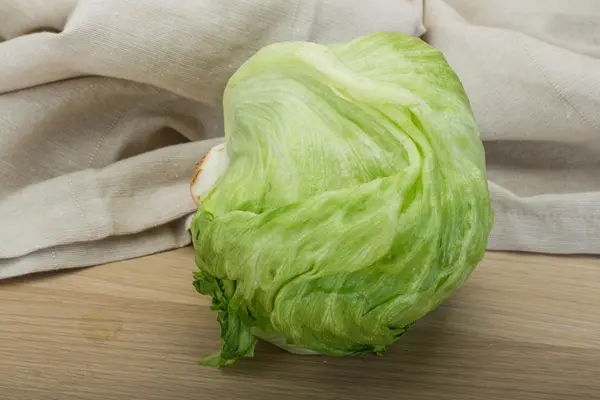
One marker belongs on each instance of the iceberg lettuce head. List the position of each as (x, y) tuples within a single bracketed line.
[(348, 200)]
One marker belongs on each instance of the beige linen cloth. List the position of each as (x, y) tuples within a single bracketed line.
[(106, 105)]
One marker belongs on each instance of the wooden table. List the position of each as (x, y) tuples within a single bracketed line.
[(523, 327)]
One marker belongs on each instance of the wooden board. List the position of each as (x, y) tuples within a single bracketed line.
[(523, 327)]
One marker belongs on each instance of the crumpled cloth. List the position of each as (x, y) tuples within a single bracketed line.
[(106, 106)]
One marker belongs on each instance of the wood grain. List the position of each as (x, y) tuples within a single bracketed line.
[(522, 327)]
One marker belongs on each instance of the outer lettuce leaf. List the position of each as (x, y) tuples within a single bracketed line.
[(355, 200), (238, 340)]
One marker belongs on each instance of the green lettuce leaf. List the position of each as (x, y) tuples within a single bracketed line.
[(355, 198)]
